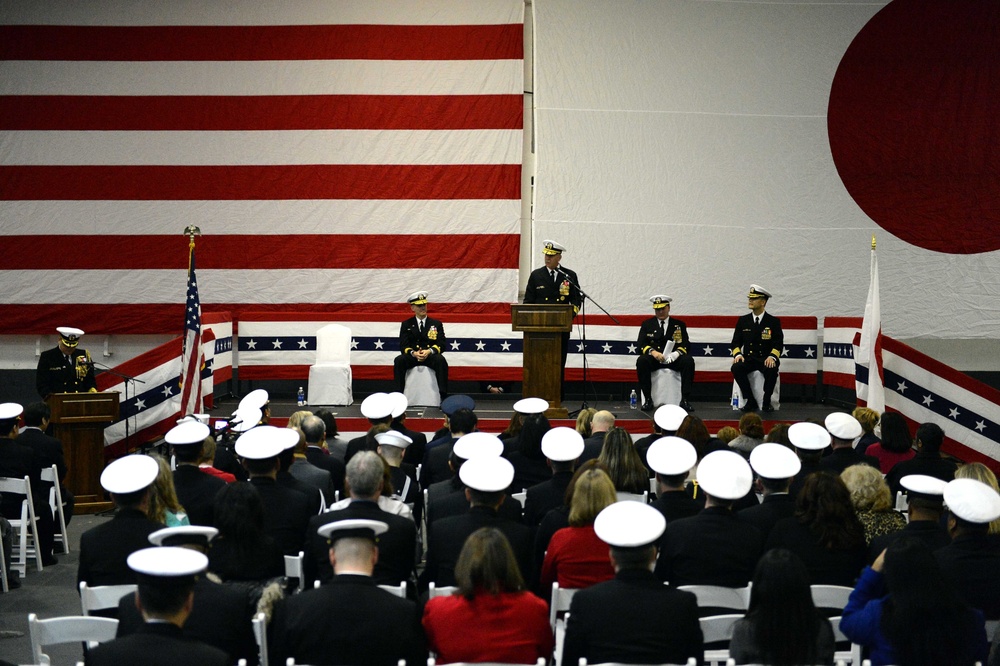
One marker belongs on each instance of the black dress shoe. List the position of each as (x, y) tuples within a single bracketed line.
[(768, 408), (13, 580), (687, 406), (49, 560), (751, 406), (647, 406)]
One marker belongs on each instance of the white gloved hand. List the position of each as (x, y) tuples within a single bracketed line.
[(673, 356)]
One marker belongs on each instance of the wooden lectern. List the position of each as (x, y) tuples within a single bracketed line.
[(543, 326), (78, 421)]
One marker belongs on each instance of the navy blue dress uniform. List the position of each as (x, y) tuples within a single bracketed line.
[(418, 335), (65, 369), (557, 286), (196, 492), (756, 339), (545, 496), (156, 644), (654, 334)]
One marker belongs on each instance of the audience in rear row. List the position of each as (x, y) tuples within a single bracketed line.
[(807, 508)]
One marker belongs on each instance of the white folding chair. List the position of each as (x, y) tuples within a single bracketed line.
[(397, 590), (3, 572), (435, 591), (293, 568), (102, 597), (322, 502), (715, 628), (558, 612), (716, 596), (830, 596), (51, 475), (851, 656), (26, 527), (521, 497), (72, 629), (260, 635), (634, 497)]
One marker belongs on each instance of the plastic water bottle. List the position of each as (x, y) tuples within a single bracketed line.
[(736, 400), (301, 398), (633, 400)]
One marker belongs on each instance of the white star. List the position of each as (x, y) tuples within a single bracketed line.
[(953, 413), (784, 351), (251, 344), (928, 400), (167, 392), (379, 344), (901, 387), (708, 350), (980, 426), (606, 348), (579, 347), (455, 344), (631, 349), (809, 352), (480, 346), (140, 404), (277, 343), (303, 344), (354, 343), (505, 346)]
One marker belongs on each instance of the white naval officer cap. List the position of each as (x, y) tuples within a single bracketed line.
[(628, 524), (924, 486), (972, 501), (553, 247), (808, 436), (265, 442), (256, 398), (181, 535), (476, 445), (774, 461), (167, 565), (129, 474), (842, 425), (187, 433), (363, 528), (10, 410), (562, 444), (669, 417), (671, 455), (377, 406), (725, 475), (399, 404), (757, 291), (70, 336), (488, 474), (246, 418), (417, 298), (393, 438), (531, 406), (660, 301)]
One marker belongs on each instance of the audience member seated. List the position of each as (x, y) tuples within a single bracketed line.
[(751, 434), (530, 467), (561, 447), (331, 446), (921, 620), (672, 459), (774, 466), (896, 445), (205, 463), (243, 551), (872, 504), (193, 489), (315, 477), (523, 408), (926, 504), (869, 419), (692, 429), (603, 422), (727, 434), (48, 451), (625, 468), (714, 547), (634, 618), (928, 459), (782, 625), (491, 617), (377, 408), (164, 506), (980, 472), (576, 556), (778, 434), (809, 440), (558, 518), (415, 451), (824, 532), (843, 429), (461, 420), (585, 421)]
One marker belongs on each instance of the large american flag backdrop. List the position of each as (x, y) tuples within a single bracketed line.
[(336, 155)]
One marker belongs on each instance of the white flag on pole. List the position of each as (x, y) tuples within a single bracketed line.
[(870, 349)]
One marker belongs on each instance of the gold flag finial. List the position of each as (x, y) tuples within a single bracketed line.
[(191, 231), (873, 241)]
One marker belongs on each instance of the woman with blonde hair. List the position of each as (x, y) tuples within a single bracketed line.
[(872, 501), (584, 420), (625, 467), (868, 418), (295, 420), (982, 473), (164, 507), (491, 617), (576, 557)]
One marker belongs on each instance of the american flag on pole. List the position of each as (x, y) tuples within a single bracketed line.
[(191, 358)]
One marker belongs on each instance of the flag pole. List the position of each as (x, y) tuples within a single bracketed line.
[(870, 349), (190, 376)]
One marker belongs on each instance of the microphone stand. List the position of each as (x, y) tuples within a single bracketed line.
[(583, 336), (127, 379)]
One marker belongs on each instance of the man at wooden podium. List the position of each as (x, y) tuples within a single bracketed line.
[(65, 368), (552, 283)]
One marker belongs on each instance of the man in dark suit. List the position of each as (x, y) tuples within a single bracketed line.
[(104, 549), (562, 447), (486, 479), (774, 465), (65, 368), (414, 452), (48, 451), (286, 511), (377, 408), (553, 283), (925, 504), (928, 438), (196, 490), (654, 334), (421, 342), (397, 545), (345, 620), (166, 581), (314, 429), (844, 429), (634, 618), (809, 440), (757, 345), (461, 421), (314, 476), (671, 459), (714, 547), (220, 615), (599, 427)]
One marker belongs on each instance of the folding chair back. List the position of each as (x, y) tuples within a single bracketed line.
[(718, 629), (51, 475), (260, 634), (435, 591), (716, 596), (293, 569), (102, 597), (26, 526), (832, 597), (72, 629), (397, 590)]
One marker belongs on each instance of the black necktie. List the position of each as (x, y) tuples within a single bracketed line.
[(663, 328), (756, 320), (420, 326), (555, 278)]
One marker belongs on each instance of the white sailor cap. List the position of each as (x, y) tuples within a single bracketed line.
[(187, 433), (399, 404), (129, 474), (972, 501), (562, 444), (842, 425), (377, 406), (669, 417), (531, 406), (70, 336), (757, 291), (808, 436), (256, 398), (393, 438), (167, 562), (774, 461), (660, 301), (725, 475), (922, 485), (552, 247), (181, 535), (671, 456), (628, 524), (477, 445), (10, 410), (246, 418), (265, 442), (487, 473), (417, 298), (353, 527)]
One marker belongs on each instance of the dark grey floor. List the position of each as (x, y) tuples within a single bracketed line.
[(47, 593)]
